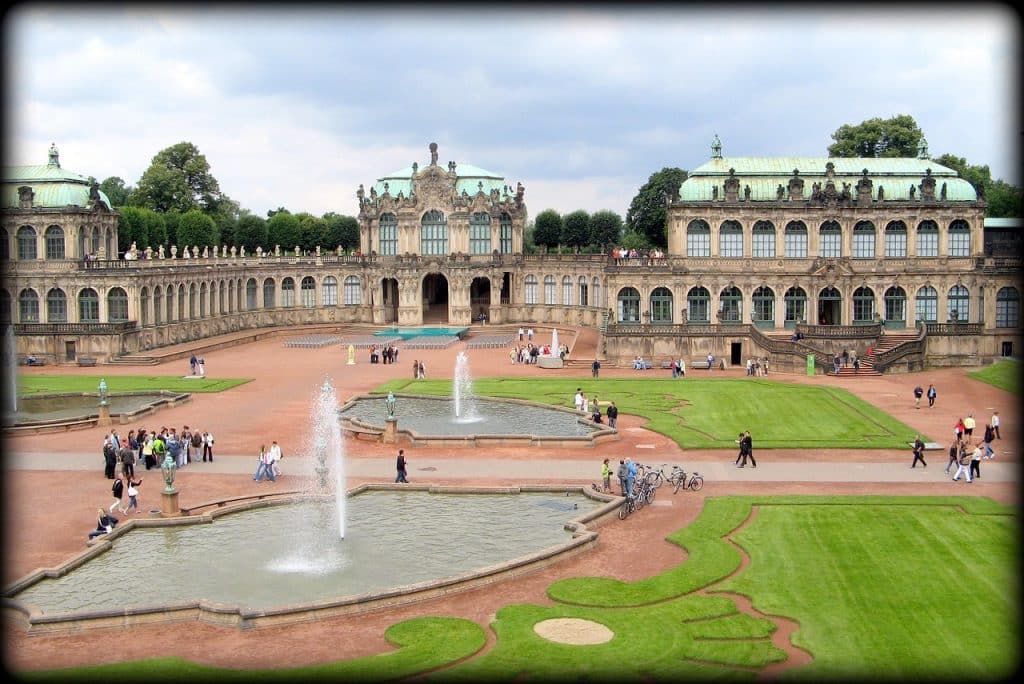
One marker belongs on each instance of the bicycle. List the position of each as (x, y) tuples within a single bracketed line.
[(657, 477), (674, 477), (694, 484), (627, 507)]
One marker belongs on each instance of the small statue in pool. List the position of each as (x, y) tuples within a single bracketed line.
[(390, 403)]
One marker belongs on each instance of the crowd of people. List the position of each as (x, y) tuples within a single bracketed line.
[(387, 354)]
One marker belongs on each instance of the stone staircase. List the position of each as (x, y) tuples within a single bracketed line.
[(867, 362), (132, 360)]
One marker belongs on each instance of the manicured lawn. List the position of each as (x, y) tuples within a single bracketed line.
[(708, 414), (1004, 374), (47, 384)]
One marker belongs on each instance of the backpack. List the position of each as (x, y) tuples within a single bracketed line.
[(197, 440)]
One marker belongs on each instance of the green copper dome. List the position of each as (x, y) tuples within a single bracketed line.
[(52, 186)]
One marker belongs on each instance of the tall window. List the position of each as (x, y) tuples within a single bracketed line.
[(268, 293), (530, 289), (117, 305), (26, 243), (959, 303), (629, 305), (697, 305), (95, 240), (896, 240), (56, 306), (764, 304), (192, 301), (864, 240), (583, 290), (250, 294), (926, 304), (927, 239), (28, 306), (88, 306), (959, 239), (505, 234), (388, 235), (330, 293), (433, 233), (1007, 308), (661, 306), (863, 305), (158, 303), (595, 292), (730, 305), (203, 300), (796, 240), (170, 303), (54, 242), (896, 305), (764, 240), (698, 239), (796, 305), (353, 292), (480, 233), (5, 245), (181, 302), (567, 290), (288, 292), (730, 239), (830, 240), (549, 289), (307, 290)]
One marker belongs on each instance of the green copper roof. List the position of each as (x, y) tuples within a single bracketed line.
[(54, 187), (765, 174), (468, 180)]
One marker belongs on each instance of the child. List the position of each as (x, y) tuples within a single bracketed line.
[(133, 496)]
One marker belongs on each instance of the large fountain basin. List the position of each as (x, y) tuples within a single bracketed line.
[(68, 410)]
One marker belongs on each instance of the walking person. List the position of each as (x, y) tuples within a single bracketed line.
[(606, 477), (994, 422), (969, 425), (133, 496), (623, 475), (118, 491), (612, 413), (400, 466), (954, 455), (193, 362), (963, 466), (275, 456), (747, 448), (261, 463), (421, 371), (976, 461), (931, 395), (918, 452), (739, 441), (595, 368), (918, 393), (987, 441)]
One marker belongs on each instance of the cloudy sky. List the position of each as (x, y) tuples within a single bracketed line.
[(296, 106)]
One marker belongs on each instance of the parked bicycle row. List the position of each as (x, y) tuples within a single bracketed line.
[(641, 482)]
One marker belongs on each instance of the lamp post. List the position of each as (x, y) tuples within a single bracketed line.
[(103, 392), (104, 412)]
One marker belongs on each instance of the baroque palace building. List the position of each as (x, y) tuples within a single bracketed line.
[(892, 256)]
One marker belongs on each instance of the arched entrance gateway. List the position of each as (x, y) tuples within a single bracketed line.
[(389, 300), (480, 298), (435, 298)]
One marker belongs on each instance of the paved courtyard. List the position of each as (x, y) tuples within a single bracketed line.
[(54, 483)]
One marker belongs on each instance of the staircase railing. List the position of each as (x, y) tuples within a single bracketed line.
[(915, 346)]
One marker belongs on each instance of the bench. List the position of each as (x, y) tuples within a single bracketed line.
[(36, 362), (699, 365), (643, 365), (86, 361)]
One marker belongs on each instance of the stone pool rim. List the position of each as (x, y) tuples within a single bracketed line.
[(219, 613), (91, 419)]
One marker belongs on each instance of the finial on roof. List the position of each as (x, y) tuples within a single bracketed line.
[(54, 156), (433, 154), (716, 148), (922, 149)]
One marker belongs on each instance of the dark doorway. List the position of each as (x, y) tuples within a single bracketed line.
[(830, 307), (389, 299), (480, 299), (736, 353), (435, 299), (506, 287), (69, 350), (1007, 348)]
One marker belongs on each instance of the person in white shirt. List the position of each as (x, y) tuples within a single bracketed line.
[(207, 446), (578, 400), (275, 455)]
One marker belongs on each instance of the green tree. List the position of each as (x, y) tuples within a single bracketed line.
[(283, 231), (576, 229), (312, 231), (251, 232), (196, 229), (895, 137), (547, 231), (605, 229), (1004, 200), (178, 178), (116, 191), (647, 212), (634, 240), (279, 210), (342, 231), (140, 225), (171, 220)]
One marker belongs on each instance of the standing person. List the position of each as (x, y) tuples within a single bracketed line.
[(415, 369), (931, 395), (994, 422), (963, 466), (202, 368), (623, 475), (918, 393), (846, 358), (613, 414), (117, 489), (711, 361), (595, 368), (586, 404), (987, 440), (196, 445), (207, 446), (109, 460), (954, 455), (969, 426), (133, 496), (521, 333), (512, 354), (958, 429), (529, 334), (147, 451), (577, 400), (193, 362), (422, 371), (400, 465), (682, 367), (606, 477), (918, 452), (275, 456), (630, 475), (159, 449), (976, 461), (856, 364)]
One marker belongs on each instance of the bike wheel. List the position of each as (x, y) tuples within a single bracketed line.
[(678, 485), (624, 509), (696, 483), (650, 494)]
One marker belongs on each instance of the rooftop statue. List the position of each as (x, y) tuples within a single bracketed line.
[(433, 154)]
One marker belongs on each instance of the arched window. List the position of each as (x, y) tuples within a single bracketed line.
[(530, 289), (864, 240), (959, 304), (584, 301), (117, 305), (629, 305), (144, 306), (764, 240), (863, 305), (56, 306), (567, 290), (896, 305), (959, 239), (595, 292), (158, 303), (763, 301), (54, 242), (896, 240), (181, 302), (95, 240), (549, 289), (353, 291), (388, 235), (505, 234), (88, 306), (268, 293), (730, 240), (698, 239), (795, 301), (698, 309), (5, 307), (926, 304), (288, 292), (307, 289), (433, 234), (5, 245), (480, 233), (927, 239), (192, 301), (28, 306), (250, 294), (796, 240), (27, 243), (330, 291), (170, 303), (202, 300), (1007, 308), (830, 240), (661, 306), (730, 305)]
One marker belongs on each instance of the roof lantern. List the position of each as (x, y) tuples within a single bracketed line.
[(54, 156), (716, 148)]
